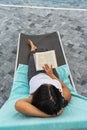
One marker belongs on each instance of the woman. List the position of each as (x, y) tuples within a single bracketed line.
[(48, 94)]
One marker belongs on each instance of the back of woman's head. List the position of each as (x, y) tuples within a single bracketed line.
[(48, 99)]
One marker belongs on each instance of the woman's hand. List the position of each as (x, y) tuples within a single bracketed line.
[(48, 69)]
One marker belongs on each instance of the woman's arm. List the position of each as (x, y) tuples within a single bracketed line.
[(66, 91), (24, 106)]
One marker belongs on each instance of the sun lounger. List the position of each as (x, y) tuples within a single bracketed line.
[(50, 41), (74, 116)]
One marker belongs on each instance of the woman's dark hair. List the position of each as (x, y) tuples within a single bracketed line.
[(48, 99)]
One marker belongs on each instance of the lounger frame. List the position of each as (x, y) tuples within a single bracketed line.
[(18, 47)]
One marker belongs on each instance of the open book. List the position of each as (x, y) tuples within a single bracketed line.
[(47, 57)]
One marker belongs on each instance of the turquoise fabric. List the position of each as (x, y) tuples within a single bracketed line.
[(74, 116)]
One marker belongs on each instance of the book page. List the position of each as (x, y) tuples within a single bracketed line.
[(47, 57)]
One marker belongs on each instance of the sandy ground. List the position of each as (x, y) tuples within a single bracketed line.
[(72, 26)]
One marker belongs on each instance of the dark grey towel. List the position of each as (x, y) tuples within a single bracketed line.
[(48, 41)]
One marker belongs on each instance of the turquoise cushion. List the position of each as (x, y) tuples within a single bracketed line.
[(73, 117), (63, 73)]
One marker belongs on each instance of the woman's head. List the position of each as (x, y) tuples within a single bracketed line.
[(48, 99)]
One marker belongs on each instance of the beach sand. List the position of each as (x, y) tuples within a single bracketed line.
[(72, 26)]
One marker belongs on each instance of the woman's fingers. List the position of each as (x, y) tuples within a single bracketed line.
[(46, 67)]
